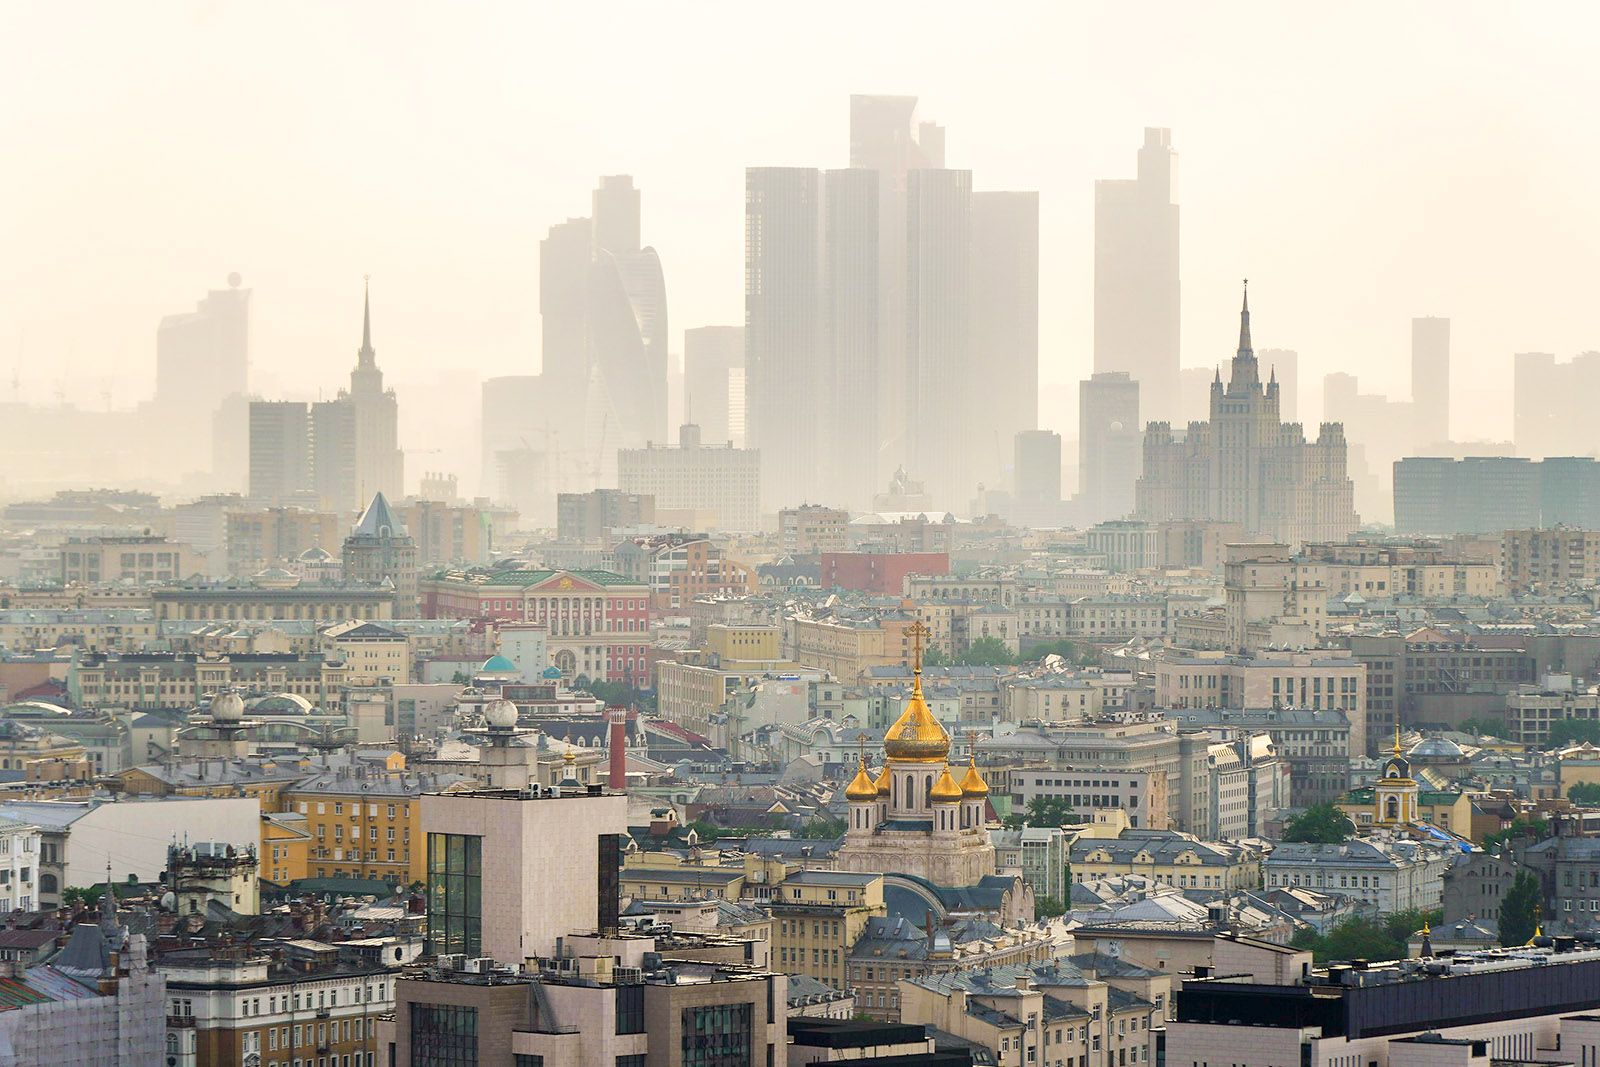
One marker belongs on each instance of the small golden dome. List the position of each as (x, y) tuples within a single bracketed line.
[(945, 789), (861, 787), (972, 783), (883, 781), (916, 736)]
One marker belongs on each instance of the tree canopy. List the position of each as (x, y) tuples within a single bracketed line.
[(1320, 824), (1538, 829), (1574, 731), (1360, 937), (1048, 908), (1587, 793), (1519, 909)]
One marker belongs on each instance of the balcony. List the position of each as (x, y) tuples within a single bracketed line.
[(180, 1022)]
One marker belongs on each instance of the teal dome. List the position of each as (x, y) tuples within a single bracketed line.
[(498, 665)]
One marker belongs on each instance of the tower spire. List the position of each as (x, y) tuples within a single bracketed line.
[(1244, 323), (367, 356)]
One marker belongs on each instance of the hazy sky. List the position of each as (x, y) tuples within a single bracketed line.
[(1361, 165)]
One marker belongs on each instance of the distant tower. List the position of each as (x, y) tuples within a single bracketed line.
[(1136, 288), (379, 551), (1108, 445), (379, 465), (1430, 379)]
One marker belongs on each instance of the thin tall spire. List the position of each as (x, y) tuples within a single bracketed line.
[(366, 354), (1244, 322)]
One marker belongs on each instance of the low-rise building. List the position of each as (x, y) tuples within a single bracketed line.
[(1167, 857), (1388, 875)]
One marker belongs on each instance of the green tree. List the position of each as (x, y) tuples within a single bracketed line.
[(822, 829), (1538, 829), (1320, 824), (1587, 793), (706, 831), (935, 657), (1047, 811), (1574, 731), (1048, 908), (89, 896), (986, 652), (1519, 909), (1401, 925), (1353, 938)]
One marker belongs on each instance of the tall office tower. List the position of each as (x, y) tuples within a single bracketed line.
[(938, 329), (886, 136), (1136, 289), (280, 451), (784, 331), (1108, 446), (1005, 321), (710, 354), (1430, 379), (1553, 404), (202, 356), (626, 322), (614, 206), (564, 258), (1284, 364), (1036, 478), (851, 466), (379, 463), (202, 362), (333, 454)]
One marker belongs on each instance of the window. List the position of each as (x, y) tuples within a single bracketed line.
[(717, 1036), (444, 1035), (630, 1011), (526, 1059), (455, 901), (630, 1061)]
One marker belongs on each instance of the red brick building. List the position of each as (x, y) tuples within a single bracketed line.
[(879, 572)]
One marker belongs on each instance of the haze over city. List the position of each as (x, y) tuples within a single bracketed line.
[(1359, 168)]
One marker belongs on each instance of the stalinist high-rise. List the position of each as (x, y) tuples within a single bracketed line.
[(1136, 296)]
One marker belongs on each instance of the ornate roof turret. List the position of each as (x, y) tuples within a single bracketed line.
[(916, 736), (945, 789), (883, 781), (972, 783), (861, 787)]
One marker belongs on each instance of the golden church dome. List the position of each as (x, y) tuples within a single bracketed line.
[(945, 789), (861, 787), (916, 736), (883, 781), (972, 783)]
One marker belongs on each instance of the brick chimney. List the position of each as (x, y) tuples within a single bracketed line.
[(619, 748)]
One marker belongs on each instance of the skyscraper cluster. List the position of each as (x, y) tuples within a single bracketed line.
[(883, 303)]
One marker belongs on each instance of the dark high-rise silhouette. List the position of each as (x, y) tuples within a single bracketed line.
[(852, 305), (1136, 290), (1005, 322), (938, 324), (1108, 446)]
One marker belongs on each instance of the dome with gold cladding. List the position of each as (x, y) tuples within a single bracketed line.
[(916, 736), (862, 787)]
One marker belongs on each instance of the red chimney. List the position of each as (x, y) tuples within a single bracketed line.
[(619, 748)]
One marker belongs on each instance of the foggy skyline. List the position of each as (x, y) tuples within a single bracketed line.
[(1379, 177)]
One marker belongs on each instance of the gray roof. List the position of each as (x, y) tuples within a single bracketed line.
[(379, 520)]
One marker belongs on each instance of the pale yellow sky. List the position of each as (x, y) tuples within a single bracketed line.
[(1361, 163)]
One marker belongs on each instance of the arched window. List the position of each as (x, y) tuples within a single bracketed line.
[(47, 883), (1392, 809), (927, 788)]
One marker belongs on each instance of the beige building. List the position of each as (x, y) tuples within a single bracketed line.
[(812, 529), (817, 916), (1549, 559), (848, 649), (480, 846), (1318, 680), (239, 601), (140, 559), (372, 654), (261, 538), (1045, 1013)]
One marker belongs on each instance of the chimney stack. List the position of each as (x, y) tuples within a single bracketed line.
[(619, 749)]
